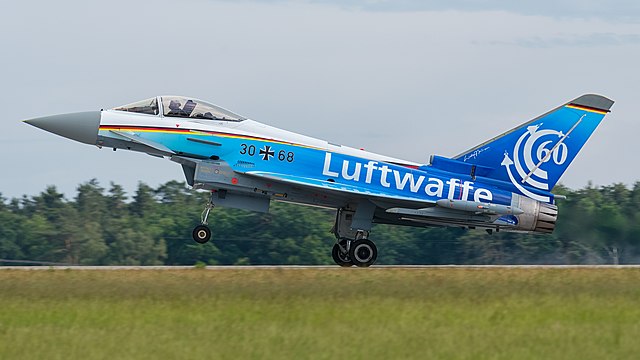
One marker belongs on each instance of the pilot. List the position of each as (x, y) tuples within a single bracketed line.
[(175, 110)]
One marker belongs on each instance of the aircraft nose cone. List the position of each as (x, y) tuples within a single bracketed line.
[(81, 126)]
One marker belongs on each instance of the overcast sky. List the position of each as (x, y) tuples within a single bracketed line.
[(403, 78)]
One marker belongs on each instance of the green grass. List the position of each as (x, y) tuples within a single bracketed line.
[(321, 314)]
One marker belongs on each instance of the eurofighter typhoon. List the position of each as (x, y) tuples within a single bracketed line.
[(503, 184)]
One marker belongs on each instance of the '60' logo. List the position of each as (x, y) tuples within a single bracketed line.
[(534, 148)]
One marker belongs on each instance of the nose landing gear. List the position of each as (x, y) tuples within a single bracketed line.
[(201, 233)]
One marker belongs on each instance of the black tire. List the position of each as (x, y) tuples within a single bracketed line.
[(201, 234), (363, 253), (340, 258)]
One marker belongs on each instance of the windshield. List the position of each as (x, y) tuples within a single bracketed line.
[(148, 106), (178, 106)]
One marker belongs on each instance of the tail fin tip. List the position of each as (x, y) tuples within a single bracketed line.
[(593, 101)]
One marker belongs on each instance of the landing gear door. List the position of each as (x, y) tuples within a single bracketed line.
[(342, 227)]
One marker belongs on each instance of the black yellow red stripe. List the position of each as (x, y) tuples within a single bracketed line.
[(587, 108), (185, 131)]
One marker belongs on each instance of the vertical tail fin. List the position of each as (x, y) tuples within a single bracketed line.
[(535, 154)]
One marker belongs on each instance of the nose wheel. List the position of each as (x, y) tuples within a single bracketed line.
[(201, 234)]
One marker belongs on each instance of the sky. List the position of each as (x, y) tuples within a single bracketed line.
[(403, 78)]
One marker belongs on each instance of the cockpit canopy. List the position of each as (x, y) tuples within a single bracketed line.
[(180, 106), (148, 106)]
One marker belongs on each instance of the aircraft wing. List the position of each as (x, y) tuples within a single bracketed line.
[(340, 189)]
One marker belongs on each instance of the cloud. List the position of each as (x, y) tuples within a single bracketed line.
[(615, 10), (573, 40)]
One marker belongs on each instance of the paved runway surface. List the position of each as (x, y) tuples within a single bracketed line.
[(327, 267)]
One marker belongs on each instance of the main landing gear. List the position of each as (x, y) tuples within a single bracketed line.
[(352, 247), (360, 252), (202, 233)]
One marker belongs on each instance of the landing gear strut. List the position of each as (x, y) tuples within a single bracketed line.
[(352, 247), (202, 233)]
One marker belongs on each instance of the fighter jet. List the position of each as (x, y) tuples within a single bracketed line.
[(503, 184)]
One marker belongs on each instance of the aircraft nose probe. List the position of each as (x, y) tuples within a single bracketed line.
[(80, 126)]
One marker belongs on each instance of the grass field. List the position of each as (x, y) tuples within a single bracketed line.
[(321, 314)]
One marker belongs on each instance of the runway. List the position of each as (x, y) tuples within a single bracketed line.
[(314, 267)]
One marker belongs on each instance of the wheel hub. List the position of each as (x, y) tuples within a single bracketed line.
[(363, 253)]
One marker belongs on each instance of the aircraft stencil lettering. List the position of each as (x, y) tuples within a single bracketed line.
[(503, 184)]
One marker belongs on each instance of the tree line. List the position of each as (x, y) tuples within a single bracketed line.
[(103, 226)]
